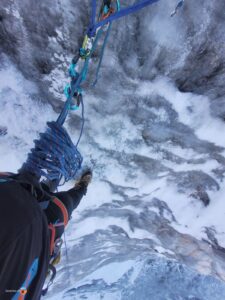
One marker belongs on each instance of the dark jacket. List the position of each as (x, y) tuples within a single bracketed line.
[(70, 199), (24, 234), (24, 237)]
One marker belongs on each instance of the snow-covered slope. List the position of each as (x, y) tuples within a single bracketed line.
[(154, 214)]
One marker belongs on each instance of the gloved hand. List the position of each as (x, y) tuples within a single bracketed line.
[(84, 180)]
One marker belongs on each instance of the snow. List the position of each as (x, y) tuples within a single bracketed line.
[(111, 272), (193, 110), (23, 117), (191, 216), (91, 224)]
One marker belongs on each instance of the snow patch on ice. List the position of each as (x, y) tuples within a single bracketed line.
[(23, 117)]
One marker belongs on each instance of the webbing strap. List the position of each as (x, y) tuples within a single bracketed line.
[(51, 227), (119, 14), (63, 209)]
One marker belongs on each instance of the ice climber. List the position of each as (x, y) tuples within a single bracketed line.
[(32, 221)]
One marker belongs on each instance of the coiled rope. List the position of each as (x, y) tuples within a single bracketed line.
[(54, 155)]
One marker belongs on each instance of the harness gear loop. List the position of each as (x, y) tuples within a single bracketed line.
[(51, 227), (63, 209), (55, 244)]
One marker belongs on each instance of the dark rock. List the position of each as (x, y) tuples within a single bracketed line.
[(3, 131), (202, 195), (194, 180), (44, 65)]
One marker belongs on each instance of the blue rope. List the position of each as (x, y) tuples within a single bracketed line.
[(82, 125), (92, 22), (102, 54), (54, 155), (119, 14), (74, 87)]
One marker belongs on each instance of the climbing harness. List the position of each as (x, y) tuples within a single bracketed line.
[(55, 244), (52, 227), (46, 198)]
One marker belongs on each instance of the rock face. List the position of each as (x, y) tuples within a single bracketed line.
[(154, 135)]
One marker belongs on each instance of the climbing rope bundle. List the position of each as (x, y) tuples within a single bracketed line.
[(54, 155)]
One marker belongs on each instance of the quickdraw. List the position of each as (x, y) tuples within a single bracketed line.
[(110, 10), (79, 65)]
